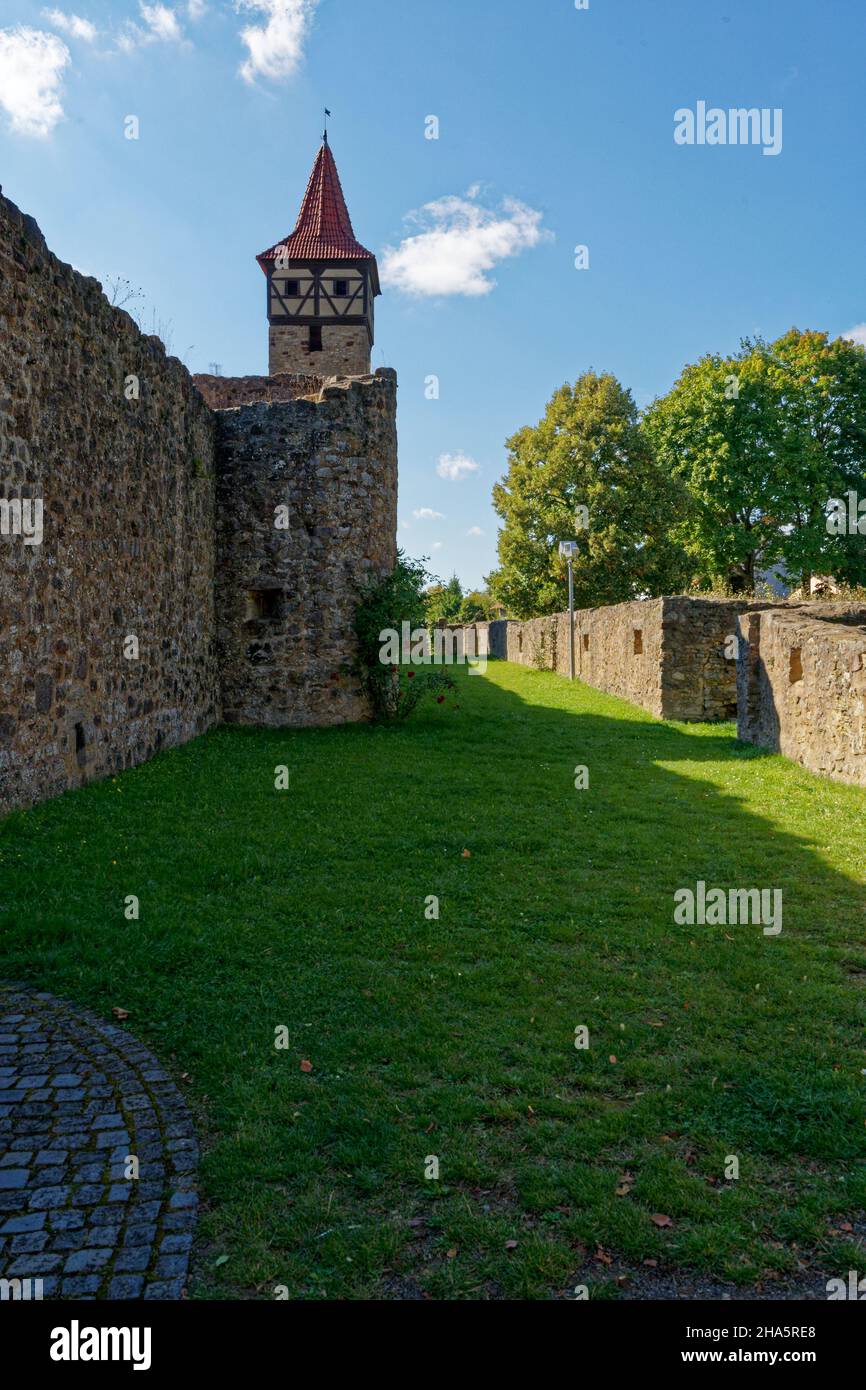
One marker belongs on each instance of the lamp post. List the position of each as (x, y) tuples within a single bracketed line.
[(568, 548)]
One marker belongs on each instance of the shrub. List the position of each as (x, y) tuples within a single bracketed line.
[(385, 604)]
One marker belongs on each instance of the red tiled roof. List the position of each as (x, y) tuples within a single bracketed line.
[(324, 229)]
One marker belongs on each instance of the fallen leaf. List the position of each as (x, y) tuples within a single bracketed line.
[(659, 1219), (467, 854), (220, 1260), (511, 1245), (120, 1013), (651, 1264), (603, 1257), (306, 1066), (450, 1254)]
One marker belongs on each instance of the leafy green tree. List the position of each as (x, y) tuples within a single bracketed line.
[(762, 442), (586, 472), (477, 607), (444, 600)]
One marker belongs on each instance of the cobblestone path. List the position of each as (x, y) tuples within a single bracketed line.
[(78, 1097)]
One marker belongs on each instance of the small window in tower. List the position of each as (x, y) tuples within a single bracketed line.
[(262, 604), (315, 338), (341, 289), (293, 289)]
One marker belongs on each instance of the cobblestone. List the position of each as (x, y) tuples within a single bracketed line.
[(77, 1095)]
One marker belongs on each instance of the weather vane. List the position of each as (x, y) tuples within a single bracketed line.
[(325, 135)]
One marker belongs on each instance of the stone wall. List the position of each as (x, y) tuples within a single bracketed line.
[(802, 686), (666, 654), (114, 439), (286, 595), (223, 392), (161, 589), (345, 350)]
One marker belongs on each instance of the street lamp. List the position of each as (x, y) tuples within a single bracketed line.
[(568, 549)]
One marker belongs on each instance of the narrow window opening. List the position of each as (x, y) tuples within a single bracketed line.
[(795, 670), (262, 604), (586, 641), (638, 641), (341, 289), (315, 338), (79, 738), (293, 289)]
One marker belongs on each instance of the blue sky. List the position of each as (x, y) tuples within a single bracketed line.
[(556, 129)]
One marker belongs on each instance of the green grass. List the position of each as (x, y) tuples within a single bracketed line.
[(455, 1037)]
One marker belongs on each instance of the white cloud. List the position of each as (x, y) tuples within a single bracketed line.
[(196, 9), (72, 24), (162, 24), (427, 514), (437, 545), (161, 21), (475, 531), (458, 244), (857, 334), (276, 49), (456, 466), (31, 79)]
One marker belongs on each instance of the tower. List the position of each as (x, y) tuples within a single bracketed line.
[(321, 285)]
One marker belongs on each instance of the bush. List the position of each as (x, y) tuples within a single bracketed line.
[(385, 604)]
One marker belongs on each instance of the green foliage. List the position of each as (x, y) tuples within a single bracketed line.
[(588, 451), (395, 689), (478, 606), (444, 601), (762, 441)]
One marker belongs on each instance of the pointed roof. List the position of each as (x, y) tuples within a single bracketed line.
[(323, 231)]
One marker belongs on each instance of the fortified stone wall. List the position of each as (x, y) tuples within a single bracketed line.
[(113, 438), (802, 686), (666, 654), (286, 594), (157, 509)]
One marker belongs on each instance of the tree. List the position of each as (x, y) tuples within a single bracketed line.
[(586, 472), (444, 600), (477, 607), (762, 442)]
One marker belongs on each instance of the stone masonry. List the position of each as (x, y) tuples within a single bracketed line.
[(346, 351), (802, 686), (286, 597), (161, 588), (112, 435), (674, 656)]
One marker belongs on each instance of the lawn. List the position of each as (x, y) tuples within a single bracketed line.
[(454, 1038)]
